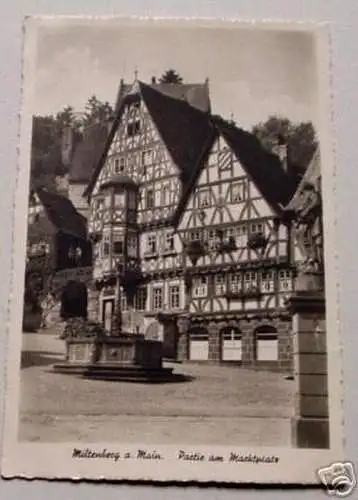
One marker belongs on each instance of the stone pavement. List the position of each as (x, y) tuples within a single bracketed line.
[(218, 405)]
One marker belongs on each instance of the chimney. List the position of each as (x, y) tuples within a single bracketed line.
[(280, 149), (154, 80)]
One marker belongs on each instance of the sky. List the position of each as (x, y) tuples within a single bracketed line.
[(253, 73)]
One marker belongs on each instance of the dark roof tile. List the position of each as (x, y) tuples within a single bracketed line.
[(195, 94), (264, 168), (88, 153), (63, 214), (183, 128)]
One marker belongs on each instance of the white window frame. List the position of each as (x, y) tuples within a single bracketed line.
[(132, 245), (141, 299), (238, 192), (250, 280), (121, 198), (152, 243), (200, 287), (147, 157), (108, 200), (204, 198), (256, 228), (157, 298), (285, 279), (119, 164), (240, 235), (211, 239), (152, 191), (174, 296), (267, 281), (169, 242), (165, 195), (195, 235), (235, 283), (220, 284)]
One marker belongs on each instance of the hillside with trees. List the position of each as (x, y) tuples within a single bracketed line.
[(300, 138), (47, 134)]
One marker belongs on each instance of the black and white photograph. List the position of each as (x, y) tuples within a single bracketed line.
[(173, 284)]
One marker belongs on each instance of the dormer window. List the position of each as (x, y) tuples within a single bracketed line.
[(119, 164), (133, 128)]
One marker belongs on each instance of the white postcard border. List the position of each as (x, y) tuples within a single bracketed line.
[(35, 460)]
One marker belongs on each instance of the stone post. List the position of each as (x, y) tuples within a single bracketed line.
[(310, 424), (248, 343), (214, 342), (183, 323)]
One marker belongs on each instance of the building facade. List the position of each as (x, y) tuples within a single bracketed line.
[(185, 215), (58, 251)]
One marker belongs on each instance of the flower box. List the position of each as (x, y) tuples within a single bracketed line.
[(257, 241)]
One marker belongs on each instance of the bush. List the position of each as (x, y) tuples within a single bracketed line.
[(80, 328)]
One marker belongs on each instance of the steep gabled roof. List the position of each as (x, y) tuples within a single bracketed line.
[(195, 94), (63, 214), (264, 168), (312, 177), (184, 130), (88, 153)]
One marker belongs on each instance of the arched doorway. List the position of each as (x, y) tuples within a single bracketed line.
[(199, 344), (266, 343), (231, 338), (74, 299)]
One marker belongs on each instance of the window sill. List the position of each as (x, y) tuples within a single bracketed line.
[(148, 256), (169, 253)]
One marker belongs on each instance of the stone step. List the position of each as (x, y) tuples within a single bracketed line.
[(115, 372)]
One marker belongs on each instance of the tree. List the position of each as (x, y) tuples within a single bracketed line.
[(300, 138), (96, 111), (47, 133), (170, 76)]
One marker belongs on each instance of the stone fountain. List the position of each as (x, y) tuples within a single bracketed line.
[(94, 353)]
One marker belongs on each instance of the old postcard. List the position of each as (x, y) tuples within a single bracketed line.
[(174, 314)]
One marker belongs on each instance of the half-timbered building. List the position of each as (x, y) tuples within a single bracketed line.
[(185, 214), (58, 249)]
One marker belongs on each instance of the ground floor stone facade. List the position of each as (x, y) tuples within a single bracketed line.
[(256, 340), (251, 342)]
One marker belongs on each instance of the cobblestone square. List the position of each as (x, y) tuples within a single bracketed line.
[(217, 405)]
